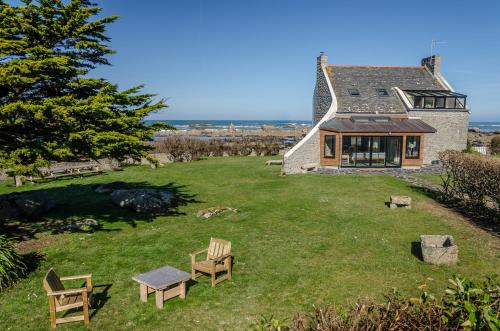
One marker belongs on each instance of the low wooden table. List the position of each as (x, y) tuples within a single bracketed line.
[(166, 282)]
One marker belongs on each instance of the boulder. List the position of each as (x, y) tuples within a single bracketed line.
[(110, 187), (438, 249), (475, 130), (33, 204), (85, 225), (144, 200)]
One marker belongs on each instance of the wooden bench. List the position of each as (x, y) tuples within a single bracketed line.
[(60, 171), (62, 299)]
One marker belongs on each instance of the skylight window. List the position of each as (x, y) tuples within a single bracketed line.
[(382, 92), (354, 92)]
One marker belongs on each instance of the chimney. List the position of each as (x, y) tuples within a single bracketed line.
[(322, 60), (433, 63)]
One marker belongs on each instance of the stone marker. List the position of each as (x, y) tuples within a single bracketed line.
[(400, 201), (439, 249), (274, 162)]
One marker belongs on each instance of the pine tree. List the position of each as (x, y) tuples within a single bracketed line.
[(50, 109)]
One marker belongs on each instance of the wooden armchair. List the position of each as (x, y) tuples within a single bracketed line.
[(218, 259), (61, 299)]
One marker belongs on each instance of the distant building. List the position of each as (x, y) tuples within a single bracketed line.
[(380, 116)]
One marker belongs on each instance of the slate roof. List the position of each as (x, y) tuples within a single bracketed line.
[(395, 126), (369, 78)]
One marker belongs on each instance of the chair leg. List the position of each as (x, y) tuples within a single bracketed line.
[(213, 279), (230, 269), (193, 273), (52, 305), (85, 308)]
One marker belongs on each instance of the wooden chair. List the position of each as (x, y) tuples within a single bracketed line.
[(218, 259), (61, 299)]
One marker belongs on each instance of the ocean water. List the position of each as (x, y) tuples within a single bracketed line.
[(486, 126), (257, 124), (238, 124)]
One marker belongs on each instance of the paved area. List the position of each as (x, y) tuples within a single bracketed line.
[(407, 175)]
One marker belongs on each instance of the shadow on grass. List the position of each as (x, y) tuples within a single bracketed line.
[(78, 203), (485, 219), (416, 250), (32, 261), (99, 298)]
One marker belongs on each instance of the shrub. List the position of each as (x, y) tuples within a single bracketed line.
[(465, 306), (471, 180), (11, 264), (190, 149), (495, 145), (474, 307)]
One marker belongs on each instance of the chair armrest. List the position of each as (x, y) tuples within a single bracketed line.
[(193, 255), (70, 291), (76, 277), (199, 252)]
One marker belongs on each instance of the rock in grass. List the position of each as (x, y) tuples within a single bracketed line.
[(439, 249), (85, 225), (209, 212), (110, 187), (31, 204), (144, 200)]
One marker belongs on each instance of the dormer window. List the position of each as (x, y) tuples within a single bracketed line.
[(354, 92), (382, 92), (436, 99)]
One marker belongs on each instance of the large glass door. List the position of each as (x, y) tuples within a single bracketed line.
[(393, 158), (371, 151), (362, 155)]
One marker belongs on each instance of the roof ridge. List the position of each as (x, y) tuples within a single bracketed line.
[(373, 66)]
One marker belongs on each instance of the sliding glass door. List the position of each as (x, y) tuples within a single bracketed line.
[(371, 151)]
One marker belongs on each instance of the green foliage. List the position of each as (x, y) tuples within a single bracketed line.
[(50, 110), (472, 182), (465, 306), (268, 324), (468, 148), (472, 306), (11, 264), (495, 145)]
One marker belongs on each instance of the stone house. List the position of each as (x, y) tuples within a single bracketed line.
[(380, 116)]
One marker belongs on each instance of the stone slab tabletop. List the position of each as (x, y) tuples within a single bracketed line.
[(163, 277)]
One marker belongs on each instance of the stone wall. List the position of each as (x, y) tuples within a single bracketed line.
[(322, 98), (307, 152), (451, 126)]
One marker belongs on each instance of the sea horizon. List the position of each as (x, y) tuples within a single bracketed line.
[(485, 126)]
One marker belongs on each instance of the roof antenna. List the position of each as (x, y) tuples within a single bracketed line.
[(434, 43)]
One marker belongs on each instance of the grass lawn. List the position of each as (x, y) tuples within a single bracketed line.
[(298, 241)]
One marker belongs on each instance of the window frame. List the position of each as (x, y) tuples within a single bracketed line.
[(419, 141), (354, 92), (382, 92), (333, 147)]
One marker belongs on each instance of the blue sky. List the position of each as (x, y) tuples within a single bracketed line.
[(255, 59)]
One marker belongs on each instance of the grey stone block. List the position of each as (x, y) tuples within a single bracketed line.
[(439, 249)]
